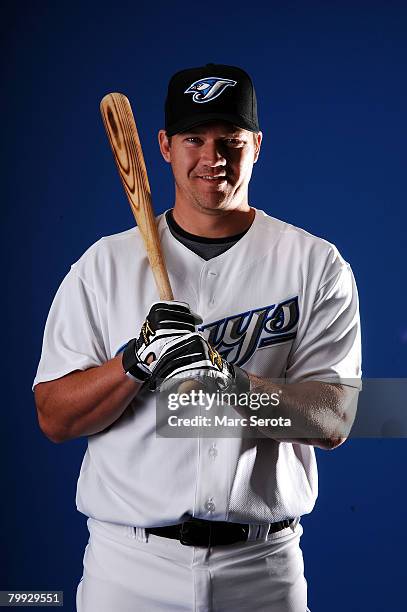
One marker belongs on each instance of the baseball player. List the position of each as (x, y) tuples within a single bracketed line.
[(201, 522)]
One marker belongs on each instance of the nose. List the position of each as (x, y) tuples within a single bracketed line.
[(212, 155)]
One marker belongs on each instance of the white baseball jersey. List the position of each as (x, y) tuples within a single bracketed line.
[(280, 303)]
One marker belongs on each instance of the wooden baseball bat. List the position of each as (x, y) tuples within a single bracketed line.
[(125, 142)]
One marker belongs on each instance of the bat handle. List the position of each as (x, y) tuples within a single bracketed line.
[(156, 259), (163, 285)]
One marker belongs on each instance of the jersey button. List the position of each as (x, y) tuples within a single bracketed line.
[(212, 452), (210, 505)]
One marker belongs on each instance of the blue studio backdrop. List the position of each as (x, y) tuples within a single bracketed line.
[(331, 87)]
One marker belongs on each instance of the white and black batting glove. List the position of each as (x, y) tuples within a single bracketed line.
[(192, 357), (164, 322)]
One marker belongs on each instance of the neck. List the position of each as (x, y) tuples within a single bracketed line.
[(214, 223)]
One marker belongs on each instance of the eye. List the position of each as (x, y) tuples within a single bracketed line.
[(234, 142), (192, 139)]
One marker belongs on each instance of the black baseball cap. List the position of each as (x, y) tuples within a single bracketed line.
[(209, 93)]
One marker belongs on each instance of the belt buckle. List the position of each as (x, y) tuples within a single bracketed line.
[(193, 533)]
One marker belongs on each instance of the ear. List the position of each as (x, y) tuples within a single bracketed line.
[(259, 138), (164, 145)]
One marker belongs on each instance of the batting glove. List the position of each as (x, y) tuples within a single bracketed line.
[(192, 357), (164, 322)]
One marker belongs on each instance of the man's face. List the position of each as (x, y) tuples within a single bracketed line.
[(212, 165)]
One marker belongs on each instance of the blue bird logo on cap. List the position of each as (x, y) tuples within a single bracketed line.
[(208, 89)]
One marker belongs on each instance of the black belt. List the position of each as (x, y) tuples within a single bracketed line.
[(198, 532)]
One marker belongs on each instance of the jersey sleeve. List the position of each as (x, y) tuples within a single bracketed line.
[(72, 337), (329, 348)]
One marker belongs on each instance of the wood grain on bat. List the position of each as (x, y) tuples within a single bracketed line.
[(124, 140)]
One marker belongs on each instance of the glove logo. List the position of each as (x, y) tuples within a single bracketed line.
[(147, 332), (208, 89), (236, 338), (215, 358)]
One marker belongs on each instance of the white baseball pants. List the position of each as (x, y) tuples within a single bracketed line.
[(127, 571)]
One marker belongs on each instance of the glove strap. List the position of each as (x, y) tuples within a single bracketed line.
[(131, 364)]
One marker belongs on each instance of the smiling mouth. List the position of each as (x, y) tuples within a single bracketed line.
[(213, 179)]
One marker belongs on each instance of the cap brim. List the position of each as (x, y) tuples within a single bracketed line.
[(190, 122)]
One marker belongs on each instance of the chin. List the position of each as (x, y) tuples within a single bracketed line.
[(214, 206)]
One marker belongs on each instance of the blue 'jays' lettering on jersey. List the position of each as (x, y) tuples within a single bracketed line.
[(208, 89), (237, 337)]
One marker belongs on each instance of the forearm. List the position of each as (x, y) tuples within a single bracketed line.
[(321, 414), (84, 402)]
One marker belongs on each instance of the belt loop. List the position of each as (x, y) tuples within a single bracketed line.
[(140, 534), (258, 532), (253, 533), (295, 523), (263, 532)]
